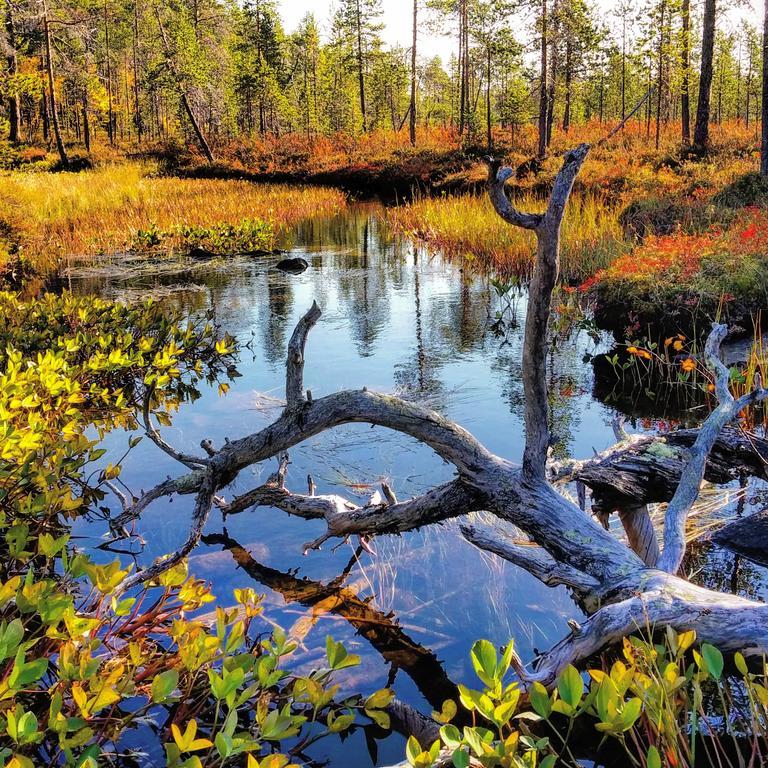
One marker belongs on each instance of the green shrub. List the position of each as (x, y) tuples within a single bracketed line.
[(81, 663), (746, 191)]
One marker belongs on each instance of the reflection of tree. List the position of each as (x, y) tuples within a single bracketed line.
[(365, 288), (418, 374), (381, 630), (274, 315), (567, 377)]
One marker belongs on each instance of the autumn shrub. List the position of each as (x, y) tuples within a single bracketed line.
[(83, 663), (751, 189), (682, 281)]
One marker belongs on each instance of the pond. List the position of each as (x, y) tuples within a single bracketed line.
[(396, 318)]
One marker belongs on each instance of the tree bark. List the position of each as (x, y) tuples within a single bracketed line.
[(412, 124), (701, 130), (543, 84), (685, 55)]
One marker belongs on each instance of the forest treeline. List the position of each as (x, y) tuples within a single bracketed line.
[(213, 71)]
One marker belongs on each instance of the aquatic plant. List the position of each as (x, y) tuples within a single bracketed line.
[(247, 236), (466, 226)]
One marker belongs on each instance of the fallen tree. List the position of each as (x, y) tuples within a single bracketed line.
[(621, 591)]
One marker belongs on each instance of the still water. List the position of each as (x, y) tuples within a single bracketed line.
[(396, 319)]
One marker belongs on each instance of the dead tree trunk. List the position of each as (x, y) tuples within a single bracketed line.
[(563, 545)]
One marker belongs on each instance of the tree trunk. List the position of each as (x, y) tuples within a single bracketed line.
[(135, 46), (764, 135), (568, 82), (54, 115), (543, 84), (685, 54), (14, 109), (412, 125), (660, 74), (108, 62), (554, 64), (701, 130), (360, 67), (488, 136)]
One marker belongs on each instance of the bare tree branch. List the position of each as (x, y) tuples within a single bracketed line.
[(693, 472), (294, 375), (532, 558), (345, 518), (497, 178)]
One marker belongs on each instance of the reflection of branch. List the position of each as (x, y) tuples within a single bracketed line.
[(193, 462), (380, 629), (203, 504)]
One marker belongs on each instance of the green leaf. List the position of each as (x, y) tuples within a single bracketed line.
[(164, 684), (484, 661), (540, 701), (713, 659), (461, 758), (653, 758), (451, 736), (570, 686)]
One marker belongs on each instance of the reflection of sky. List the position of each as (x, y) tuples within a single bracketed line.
[(444, 592)]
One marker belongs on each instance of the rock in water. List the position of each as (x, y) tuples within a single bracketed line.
[(201, 254), (294, 265), (747, 536)]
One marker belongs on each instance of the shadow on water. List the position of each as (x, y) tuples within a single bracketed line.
[(396, 318)]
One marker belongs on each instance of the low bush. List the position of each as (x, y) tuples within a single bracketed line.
[(82, 663)]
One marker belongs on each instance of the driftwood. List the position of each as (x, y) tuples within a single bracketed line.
[(622, 592), (647, 469)]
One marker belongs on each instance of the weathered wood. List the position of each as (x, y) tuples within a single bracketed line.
[(647, 469), (641, 534), (695, 464), (294, 373)]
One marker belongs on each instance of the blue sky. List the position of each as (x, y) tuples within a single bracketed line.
[(397, 18)]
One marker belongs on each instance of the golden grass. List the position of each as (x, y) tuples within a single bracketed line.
[(467, 226), (53, 216)]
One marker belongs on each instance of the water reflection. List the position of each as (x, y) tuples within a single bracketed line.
[(395, 318)]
